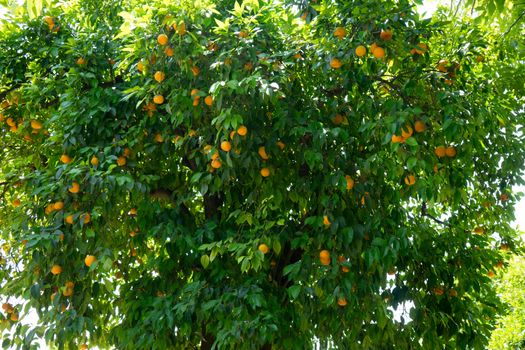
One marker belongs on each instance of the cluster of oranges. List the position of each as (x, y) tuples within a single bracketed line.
[(11, 311)]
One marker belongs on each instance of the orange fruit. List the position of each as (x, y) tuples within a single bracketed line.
[(406, 131), (126, 152), (232, 134), (265, 172), (65, 159), (14, 317), (194, 92), (450, 151), (499, 265), (379, 52), (159, 138), (208, 100), (504, 197), (215, 155), (132, 212), (341, 302), (75, 188), (69, 219), (58, 205), (419, 126), (326, 221), (169, 51), (196, 101), (243, 34), (479, 230), (121, 161), (35, 124), (438, 291), (49, 20), (242, 130), (397, 139), (491, 274), (453, 293), (81, 61), (349, 182), (386, 35), (337, 119), (324, 254), (281, 145), (140, 66), (345, 269), (421, 49), (440, 151), (360, 51), (207, 149), (263, 248), (335, 63), (10, 121), (442, 66), (195, 70), (83, 347), (216, 164), (56, 269), (226, 146), (158, 99), (94, 161), (159, 76), (89, 260), (504, 247), (410, 180), (373, 47), (16, 203), (340, 32), (162, 39), (181, 28), (86, 218), (262, 153)]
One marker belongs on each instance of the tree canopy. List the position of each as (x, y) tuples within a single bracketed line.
[(255, 174)]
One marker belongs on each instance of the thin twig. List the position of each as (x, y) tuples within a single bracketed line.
[(513, 24)]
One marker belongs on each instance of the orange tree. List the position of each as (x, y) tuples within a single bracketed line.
[(204, 174)]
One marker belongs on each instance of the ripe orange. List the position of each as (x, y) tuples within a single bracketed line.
[(94, 161), (89, 260), (75, 188), (159, 138), (264, 248), (442, 66), (56, 269), (216, 163), (242, 130), (340, 32), (440, 151), (422, 48), (86, 218), (121, 161), (232, 134), (504, 247), (341, 302), (243, 34), (69, 219), (345, 269), (386, 35), (410, 180), (326, 221), (49, 20), (450, 151), (337, 119), (196, 101), (406, 131), (83, 347), (360, 51), (169, 51), (504, 197), (16, 203), (132, 212), (158, 99), (65, 159), (208, 100), (324, 254), (126, 152), (194, 92), (226, 146), (438, 291), (35, 124), (159, 76), (262, 153), (181, 28), (140, 66), (335, 63), (195, 70), (349, 182), (378, 52), (265, 172), (162, 39), (81, 61), (453, 293), (491, 274), (419, 126), (58, 205), (479, 230), (281, 145), (397, 139), (14, 317)]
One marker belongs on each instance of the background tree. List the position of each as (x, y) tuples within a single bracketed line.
[(246, 175)]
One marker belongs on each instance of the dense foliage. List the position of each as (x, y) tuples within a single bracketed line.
[(252, 175)]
